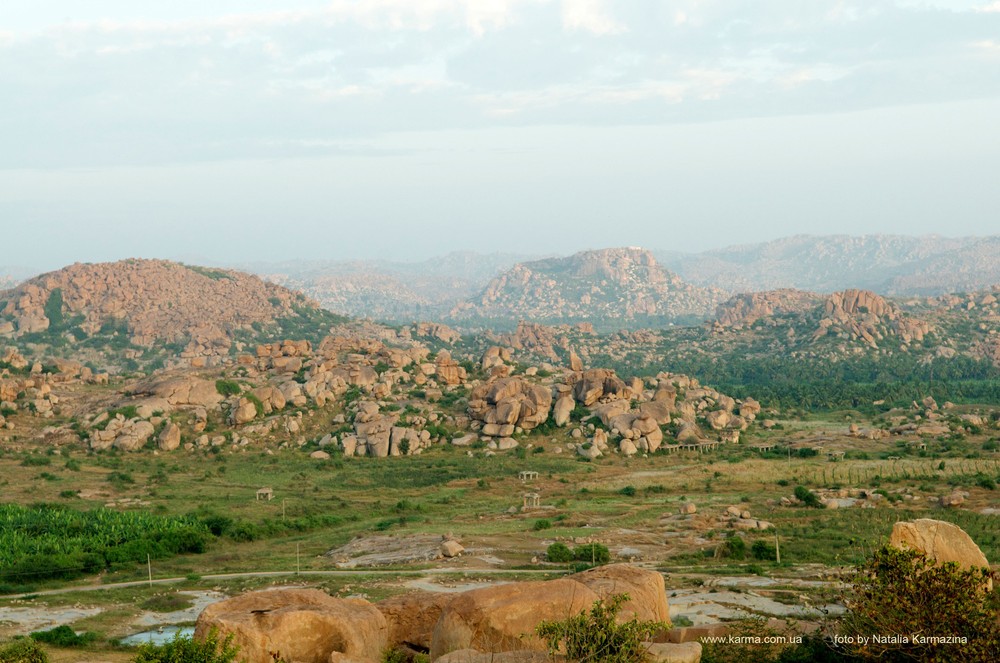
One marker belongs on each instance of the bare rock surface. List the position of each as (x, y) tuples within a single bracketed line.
[(304, 625)]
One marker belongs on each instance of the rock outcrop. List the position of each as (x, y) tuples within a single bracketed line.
[(864, 315), (504, 617), (304, 625), (745, 309), (505, 404)]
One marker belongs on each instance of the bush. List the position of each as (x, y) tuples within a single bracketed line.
[(598, 636), (559, 553), (227, 388), (188, 650), (902, 592), (734, 548), (807, 497), (592, 553), (23, 650), (64, 636), (762, 551), (627, 491), (541, 524)]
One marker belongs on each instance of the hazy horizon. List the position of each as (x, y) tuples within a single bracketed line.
[(407, 129)]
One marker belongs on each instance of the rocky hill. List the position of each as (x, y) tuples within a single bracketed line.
[(141, 305), (610, 288), (890, 264), (855, 314)]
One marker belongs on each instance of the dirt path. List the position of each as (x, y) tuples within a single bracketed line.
[(277, 574)]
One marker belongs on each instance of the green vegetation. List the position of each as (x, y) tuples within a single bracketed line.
[(592, 553), (228, 387), (902, 592), (559, 553), (597, 635), (23, 650), (50, 541), (214, 274), (64, 636), (807, 497), (188, 650)]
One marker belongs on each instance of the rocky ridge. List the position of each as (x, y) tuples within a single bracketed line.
[(605, 287)]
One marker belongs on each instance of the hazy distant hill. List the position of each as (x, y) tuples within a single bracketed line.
[(608, 287), (890, 264), (392, 291)]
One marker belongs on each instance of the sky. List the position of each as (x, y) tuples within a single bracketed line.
[(252, 131)]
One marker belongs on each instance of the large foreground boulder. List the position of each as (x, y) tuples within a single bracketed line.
[(301, 625), (646, 590), (504, 617), (939, 541)]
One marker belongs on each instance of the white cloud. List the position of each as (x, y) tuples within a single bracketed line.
[(589, 15)]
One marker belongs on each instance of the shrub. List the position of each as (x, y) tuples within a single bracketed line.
[(807, 497), (64, 636), (592, 553), (598, 636), (734, 547), (23, 650), (627, 491), (559, 553), (986, 482), (227, 387), (188, 650), (762, 551), (541, 524), (902, 592)]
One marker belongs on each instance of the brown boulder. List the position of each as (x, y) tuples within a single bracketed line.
[(940, 541), (184, 391), (646, 590), (170, 437), (504, 617), (563, 408), (302, 625), (600, 384), (244, 411)]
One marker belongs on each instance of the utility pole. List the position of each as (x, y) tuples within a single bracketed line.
[(149, 567), (777, 548)]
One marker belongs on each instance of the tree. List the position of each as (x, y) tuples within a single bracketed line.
[(598, 636), (937, 613)]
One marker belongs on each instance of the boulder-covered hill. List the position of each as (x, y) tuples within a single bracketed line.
[(611, 288), (139, 305), (889, 264)]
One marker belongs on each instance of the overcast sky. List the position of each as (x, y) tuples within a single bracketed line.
[(255, 130)]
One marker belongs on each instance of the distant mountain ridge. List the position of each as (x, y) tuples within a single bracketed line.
[(391, 291), (888, 264)]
